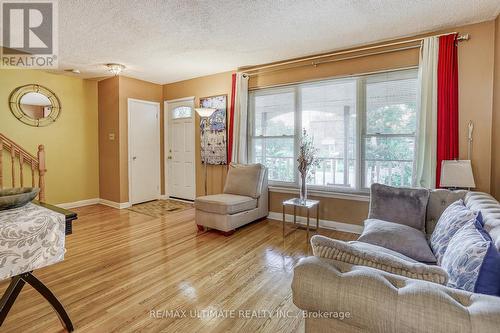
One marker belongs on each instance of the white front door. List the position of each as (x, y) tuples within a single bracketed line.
[(180, 148), (144, 150)]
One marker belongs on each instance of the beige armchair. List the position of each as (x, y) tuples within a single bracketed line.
[(244, 200)]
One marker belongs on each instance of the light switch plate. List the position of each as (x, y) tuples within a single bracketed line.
[(111, 136)]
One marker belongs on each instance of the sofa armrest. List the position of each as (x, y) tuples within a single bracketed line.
[(383, 302)]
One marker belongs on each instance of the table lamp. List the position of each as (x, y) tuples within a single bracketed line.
[(457, 174)]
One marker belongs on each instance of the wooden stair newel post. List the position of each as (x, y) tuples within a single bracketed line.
[(41, 172)]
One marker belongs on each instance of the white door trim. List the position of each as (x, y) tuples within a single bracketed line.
[(166, 124), (158, 140)]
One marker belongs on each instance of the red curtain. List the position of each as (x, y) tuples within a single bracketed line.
[(231, 121), (447, 102)]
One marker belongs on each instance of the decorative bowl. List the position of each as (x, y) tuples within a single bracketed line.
[(17, 197)]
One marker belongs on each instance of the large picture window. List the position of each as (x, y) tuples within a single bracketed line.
[(363, 127)]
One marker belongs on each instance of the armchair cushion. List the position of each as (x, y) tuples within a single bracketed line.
[(397, 237), (244, 179), (225, 204), (364, 254), (399, 205)]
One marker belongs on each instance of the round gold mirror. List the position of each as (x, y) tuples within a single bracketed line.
[(35, 105)]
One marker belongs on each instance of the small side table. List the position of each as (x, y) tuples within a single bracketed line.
[(297, 202)]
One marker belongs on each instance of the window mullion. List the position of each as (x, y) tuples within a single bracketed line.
[(251, 127), (298, 131), (360, 130)]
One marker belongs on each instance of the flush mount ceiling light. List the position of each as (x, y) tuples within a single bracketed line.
[(116, 69)]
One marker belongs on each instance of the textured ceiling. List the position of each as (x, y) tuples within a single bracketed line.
[(168, 41)]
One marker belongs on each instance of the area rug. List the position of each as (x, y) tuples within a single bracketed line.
[(159, 208)]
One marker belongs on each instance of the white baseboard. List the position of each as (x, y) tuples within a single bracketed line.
[(117, 205), (327, 224), (95, 201), (79, 203)]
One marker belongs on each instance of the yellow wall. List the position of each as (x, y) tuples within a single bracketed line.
[(70, 143), (217, 84)]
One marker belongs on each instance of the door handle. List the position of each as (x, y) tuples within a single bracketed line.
[(170, 157), (134, 158)]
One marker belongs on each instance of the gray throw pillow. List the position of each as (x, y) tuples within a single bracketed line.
[(399, 205), (398, 237)]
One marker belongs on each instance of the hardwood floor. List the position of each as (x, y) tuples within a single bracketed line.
[(125, 271)]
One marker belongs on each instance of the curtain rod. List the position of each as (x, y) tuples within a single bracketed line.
[(316, 63), (460, 38), (335, 77)]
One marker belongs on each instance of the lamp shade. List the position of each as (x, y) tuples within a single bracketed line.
[(457, 173), (205, 112)]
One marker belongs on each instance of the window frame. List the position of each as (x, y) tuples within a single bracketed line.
[(183, 117), (251, 129), (404, 74), (360, 131)]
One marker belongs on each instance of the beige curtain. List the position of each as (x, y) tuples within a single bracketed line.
[(426, 140), (240, 150)]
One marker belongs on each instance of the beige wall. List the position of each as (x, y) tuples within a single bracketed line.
[(113, 118), (495, 173), (109, 166), (476, 68), (476, 62), (71, 143), (137, 89), (475, 99), (332, 209), (218, 84)]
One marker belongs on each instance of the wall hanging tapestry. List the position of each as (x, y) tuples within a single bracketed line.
[(216, 144)]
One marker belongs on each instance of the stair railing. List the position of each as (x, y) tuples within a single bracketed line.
[(18, 158)]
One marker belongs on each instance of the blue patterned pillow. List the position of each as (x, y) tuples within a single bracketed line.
[(472, 261), (489, 275), (454, 217)]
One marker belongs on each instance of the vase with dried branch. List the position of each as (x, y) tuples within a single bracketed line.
[(306, 159)]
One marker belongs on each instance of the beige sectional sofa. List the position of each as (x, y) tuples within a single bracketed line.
[(378, 301)]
